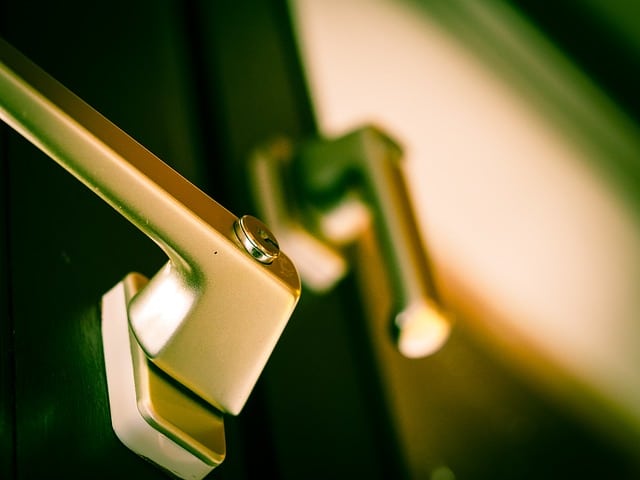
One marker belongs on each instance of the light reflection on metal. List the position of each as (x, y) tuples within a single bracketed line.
[(423, 329), (157, 312), (337, 189)]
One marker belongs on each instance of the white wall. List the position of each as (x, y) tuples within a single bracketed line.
[(527, 236)]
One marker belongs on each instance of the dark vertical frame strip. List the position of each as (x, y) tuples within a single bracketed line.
[(7, 358), (257, 90), (239, 109), (249, 442), (209, 130)]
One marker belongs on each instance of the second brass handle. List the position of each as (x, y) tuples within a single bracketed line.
[(301, 187)]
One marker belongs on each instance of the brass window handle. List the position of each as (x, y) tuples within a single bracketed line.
[(305, 190), (212, 315)]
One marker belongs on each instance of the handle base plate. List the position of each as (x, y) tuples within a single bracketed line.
[(151, 414)]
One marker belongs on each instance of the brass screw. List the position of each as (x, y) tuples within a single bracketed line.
[(256, 239)]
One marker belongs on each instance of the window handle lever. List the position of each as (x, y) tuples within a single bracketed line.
[(212, 315), (324, 194)]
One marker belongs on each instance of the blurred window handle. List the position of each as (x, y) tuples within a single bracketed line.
[(324, 194)]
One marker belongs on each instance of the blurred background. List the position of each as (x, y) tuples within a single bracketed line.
[(519, 126)]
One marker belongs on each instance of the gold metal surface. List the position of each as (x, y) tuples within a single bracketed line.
[(211, 317), (170, 408)]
